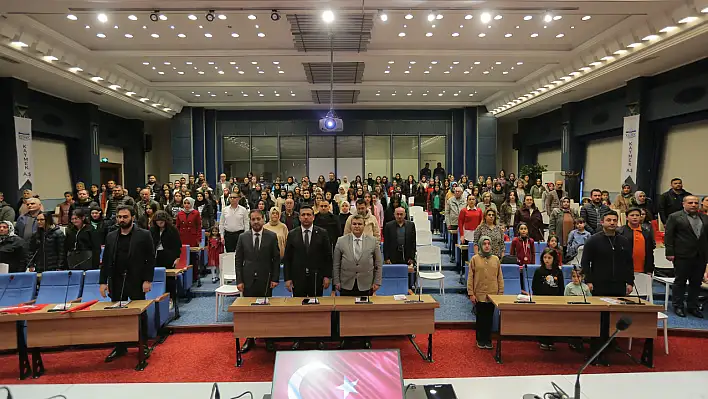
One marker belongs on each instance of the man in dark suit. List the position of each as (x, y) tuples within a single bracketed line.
[(307, 263), (257, 260), (128, 264), (400, 242), (686, 241)]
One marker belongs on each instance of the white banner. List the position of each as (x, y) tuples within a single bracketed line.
[(23, 141), (630, 146)]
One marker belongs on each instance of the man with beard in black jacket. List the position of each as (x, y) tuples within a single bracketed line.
[(84, 202), (329, 222)]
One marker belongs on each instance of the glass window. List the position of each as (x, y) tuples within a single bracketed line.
[(405, 156), (264, 157), (378, 156), (432, 151), (349, 157), (293, 157), (236, 156), (321, 156)]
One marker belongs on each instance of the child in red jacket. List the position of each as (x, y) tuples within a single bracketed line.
[(216, 248), (523, 246)]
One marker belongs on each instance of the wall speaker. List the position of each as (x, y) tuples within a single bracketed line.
[(148, 143)]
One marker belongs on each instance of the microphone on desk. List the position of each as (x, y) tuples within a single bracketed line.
[(9, 394), (528, 285), (420, 289), (12, 277), (265, 294), (122, 289), (27, 266), (639, 297), (585, 299), (215, 392), (66, 296)]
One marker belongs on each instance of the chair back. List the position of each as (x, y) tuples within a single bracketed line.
[(507, 247), (183, 257), (423, 237), (394, 280), (643, 283), (430, 255), (416, 209), (159, 284), (60, 286), (227, 266), (540, 246), (660, 260), (512, 280), (421, 223), (16, 288), (92, 289)]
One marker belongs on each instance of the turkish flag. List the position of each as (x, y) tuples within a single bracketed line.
[(365, 374)]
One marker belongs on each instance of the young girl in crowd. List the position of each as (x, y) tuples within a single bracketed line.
[(553, 244), (548, 281), (484, 279), (523, 246), (216, 248), (576, 288), (577, 238)]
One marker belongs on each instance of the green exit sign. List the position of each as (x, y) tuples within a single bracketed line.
[(104, 159)]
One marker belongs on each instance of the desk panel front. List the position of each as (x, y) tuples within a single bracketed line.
[(385, 316), (644, 319), (283, 318), (8, 335)]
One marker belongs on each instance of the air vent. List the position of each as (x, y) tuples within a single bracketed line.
[(351, 32), (8, 60), (344, 72), (95, 92), (646, 60), (340, 96)]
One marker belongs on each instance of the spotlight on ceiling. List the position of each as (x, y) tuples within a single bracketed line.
[(274, 15), (548, 17), (210, 16), (383, 16), (431, 17), (154, 17), (328, 16), (485, 17)]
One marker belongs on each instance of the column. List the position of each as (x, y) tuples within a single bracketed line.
[(198, 138), (470, 134), (181, 139), (14, 101), (210, 147), (457, 160), (651, 143), (572, 152), (83, 152), (486, 143)]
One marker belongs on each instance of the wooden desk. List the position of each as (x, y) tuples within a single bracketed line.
[(8, 335), (386, 316), (644, 318), (172, 275), (283, 318), (95, 325)]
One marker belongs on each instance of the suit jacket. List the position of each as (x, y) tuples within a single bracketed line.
[(365, 270), (390, 247), (298, 260), (141, 264), (251, 264), (679, 239), (649, 244)]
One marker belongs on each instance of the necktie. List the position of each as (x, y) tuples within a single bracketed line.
[(257, 245), (357, 248), (307, 240)]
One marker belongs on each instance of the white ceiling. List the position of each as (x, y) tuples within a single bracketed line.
[(245, 60)]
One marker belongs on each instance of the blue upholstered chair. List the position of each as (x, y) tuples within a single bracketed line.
[(17, 288), (58, 286), (92, 290), (159, 312), (184, 280), (394, 280)]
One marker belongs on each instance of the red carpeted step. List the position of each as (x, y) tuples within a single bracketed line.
[(210, 356)]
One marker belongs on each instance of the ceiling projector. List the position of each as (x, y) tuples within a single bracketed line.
[(331, 123)]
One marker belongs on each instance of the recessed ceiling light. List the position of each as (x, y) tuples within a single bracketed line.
[(102, 17), (482, 35), (241, 72), (607, 58), (485, 72), (208, 35), (455, 34), (18, 44), (261, 34), (585, 69), (505, 73), (528, 17), (534, 35), (75, 69), (180, 73), (114, 87), (668, 29), (426, 72), (477, 62), (498, 17), (687, 20), (97, 78), (498, 62), (408, 16), (485, 17), (650, 38), (440, 94), (155, 35), (446, 72), (50, 58), (161, 73), (222, 17), (402, 34), (407, 72), (466, 72), (620, 52), (468, 16), (508, 35), (387, 71), (201, 72), (557, 17), (153, 67), (560, 35), (548, 18), (596, 63), (633, 45), (192, 17), (251, 17), (128, 35), (72, 17), (261, 71), (429, 34), (221, 72), (585, 18), (101, 35)]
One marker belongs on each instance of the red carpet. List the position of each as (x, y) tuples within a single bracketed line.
[(206, 357)]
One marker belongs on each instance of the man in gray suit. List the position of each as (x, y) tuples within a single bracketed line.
[(357, 262), (257, 260)]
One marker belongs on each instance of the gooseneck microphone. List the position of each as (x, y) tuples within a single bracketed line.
[(585, 299), (639, 297), (12, 277), (215, 394), (265, 294), (66, 296), (122, 289), (27, 266), (622, 324), (528, 286)]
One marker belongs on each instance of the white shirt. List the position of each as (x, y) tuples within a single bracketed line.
[(233, 219), (260, 236), (303, 232)]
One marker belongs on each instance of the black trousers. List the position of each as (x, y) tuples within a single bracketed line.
[(133, 290), (436, 220), (308, 286), (485, 319), (354, 291), (259, 287), (690, 269), (230, 240)]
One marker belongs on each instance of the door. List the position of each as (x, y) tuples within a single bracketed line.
[(111, 171)]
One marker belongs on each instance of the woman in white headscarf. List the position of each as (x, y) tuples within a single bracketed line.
[(12, 248)]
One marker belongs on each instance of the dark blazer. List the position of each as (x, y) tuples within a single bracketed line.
[(297, 259), (171, 246), (141, 265), (84, 240), (679, 239), (252, 265), (330, 223), (390, 247), (649, 245)]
